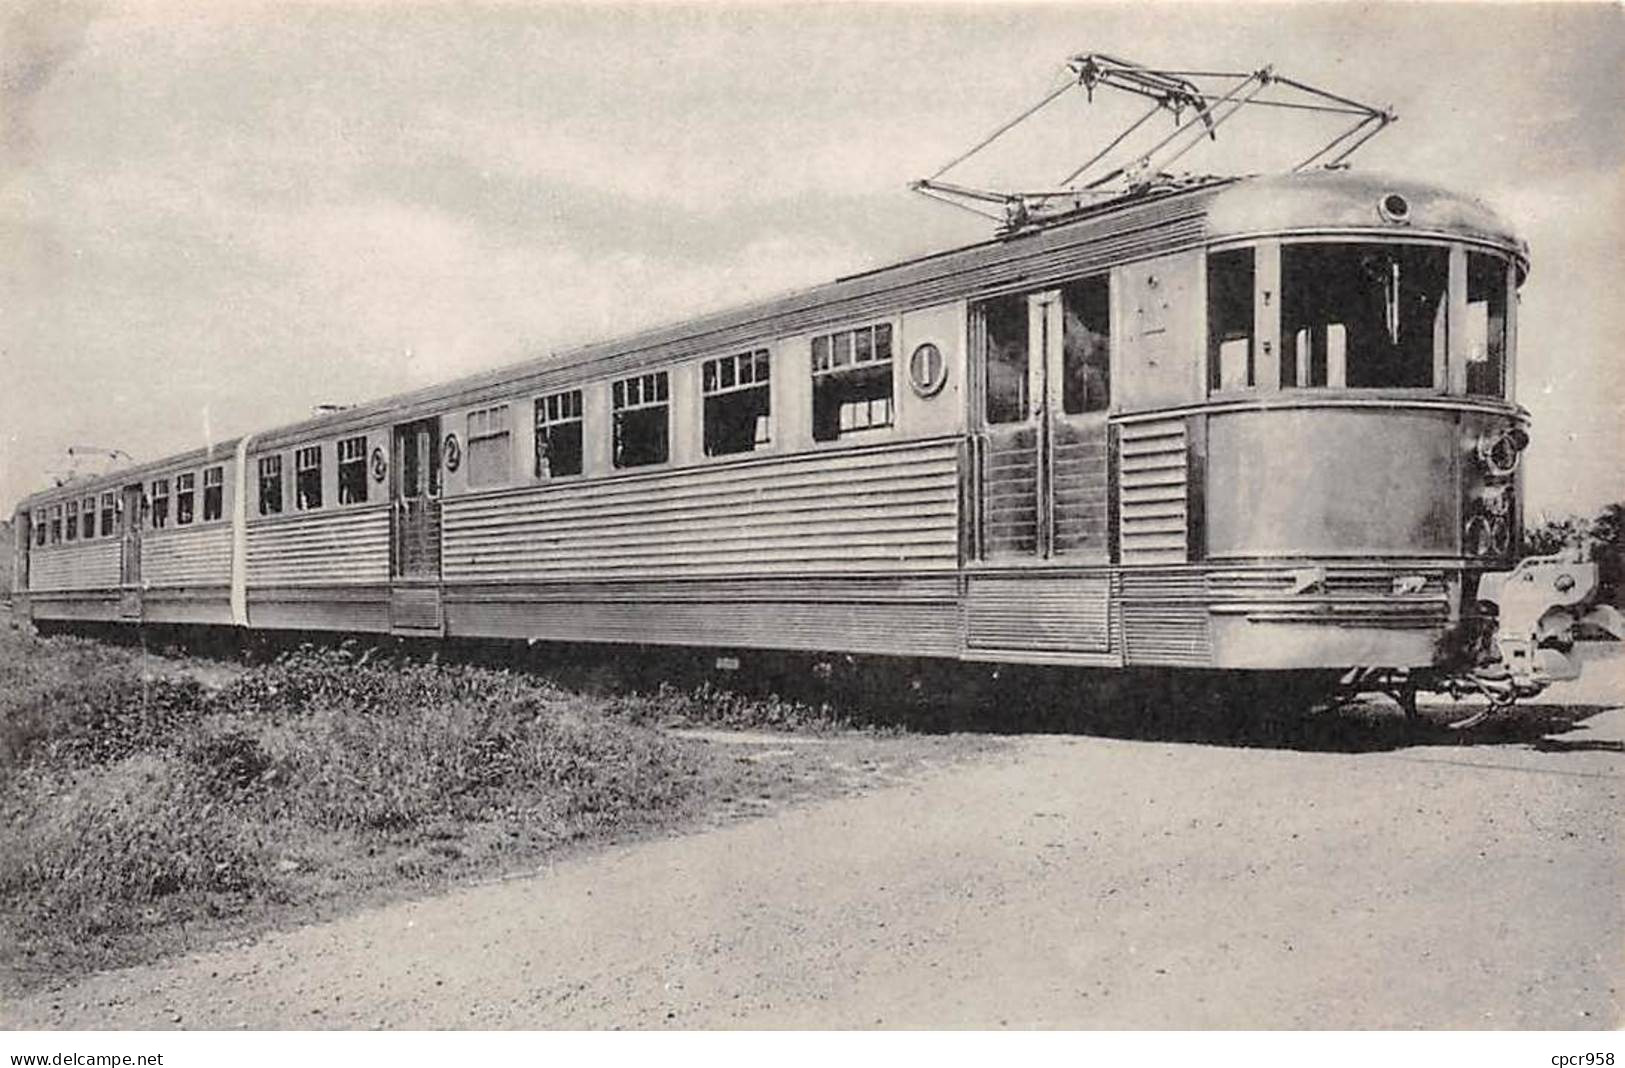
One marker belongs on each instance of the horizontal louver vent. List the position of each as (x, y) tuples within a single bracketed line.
[(1152, 478), (328, 547), (1039, 612), (1165, 618)]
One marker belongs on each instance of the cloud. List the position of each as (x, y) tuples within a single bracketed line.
[(35, 41)]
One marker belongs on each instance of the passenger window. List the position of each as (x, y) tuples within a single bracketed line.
[(1004, 330), (852, 381), (353, 470), (109, 513), (489, 438), (1086, 346), (214, 493), (73, 520), (185, 498), (39, 531), (1362, 315), (56, 524), (1230, 319), (270, 485), (559, 446), (737, 402), (307, 478), (87, 519), (160, 503), (1486, 326), (641, 433)]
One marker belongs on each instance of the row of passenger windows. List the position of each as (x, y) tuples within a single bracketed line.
[(76, 520), (351, 454), (184, 489), (852, 390), (852, 387)]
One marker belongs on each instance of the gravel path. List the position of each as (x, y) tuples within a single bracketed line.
[(1069, 882)]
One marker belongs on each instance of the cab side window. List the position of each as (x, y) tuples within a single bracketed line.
[(1230, 320), (1086, 346)]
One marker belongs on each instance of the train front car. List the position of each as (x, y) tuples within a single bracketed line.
[(1364, 501)]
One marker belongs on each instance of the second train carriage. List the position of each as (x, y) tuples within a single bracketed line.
[(1243, 424)]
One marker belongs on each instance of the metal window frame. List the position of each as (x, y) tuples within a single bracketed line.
[(872, 329), (300, 468), (739, 360), (218, 471), (656, 382), (543, 419), (269, 469)]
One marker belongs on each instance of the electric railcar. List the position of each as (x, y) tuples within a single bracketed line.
[(1255, 424)]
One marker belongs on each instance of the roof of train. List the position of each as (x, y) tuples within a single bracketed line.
[(1229, 208)]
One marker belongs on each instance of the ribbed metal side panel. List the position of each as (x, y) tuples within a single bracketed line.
[(1154, 513), (885, 509), (1038, 612), (1165, 618), (1332, 595), (334, 547), (86, 566), (200, 556)]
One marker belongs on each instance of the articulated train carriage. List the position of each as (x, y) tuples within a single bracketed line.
[(1260, 424)]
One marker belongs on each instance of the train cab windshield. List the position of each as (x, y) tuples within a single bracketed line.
[(1362, 315)]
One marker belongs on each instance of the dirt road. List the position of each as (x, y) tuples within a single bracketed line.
[(1067, 882)]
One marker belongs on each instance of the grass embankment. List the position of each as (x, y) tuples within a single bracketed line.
[(141, 808)]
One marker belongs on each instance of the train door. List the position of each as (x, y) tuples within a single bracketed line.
[(1043, 464), (1008, 340), (1041, 475), (131, 517), (414, 602)]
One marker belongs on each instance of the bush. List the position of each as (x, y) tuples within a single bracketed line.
[(340, 768), (128, 801), (67, 700), (92, 848)]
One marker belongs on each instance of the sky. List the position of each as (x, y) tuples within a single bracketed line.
[(216, 216)]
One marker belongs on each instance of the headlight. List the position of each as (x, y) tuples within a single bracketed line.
[(1487, 535), (1498, 450)]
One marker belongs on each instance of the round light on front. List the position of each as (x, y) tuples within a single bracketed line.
[(1487, 536), (1498, 450), (1395, 208)]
